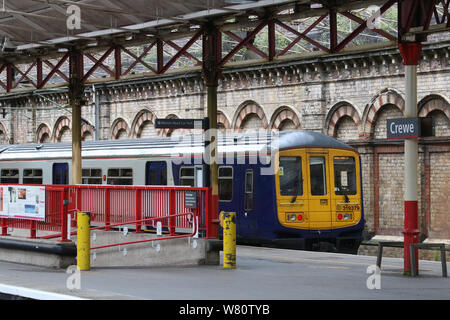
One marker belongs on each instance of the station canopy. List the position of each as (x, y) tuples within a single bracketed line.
[(41, 25)]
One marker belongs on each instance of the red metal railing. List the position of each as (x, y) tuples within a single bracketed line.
[(111, 206)]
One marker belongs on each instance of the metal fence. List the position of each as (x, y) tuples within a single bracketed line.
[(138, 207)]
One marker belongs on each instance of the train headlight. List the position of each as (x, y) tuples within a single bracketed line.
[(292, 217)]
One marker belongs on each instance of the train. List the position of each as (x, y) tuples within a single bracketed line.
[(299, 192)]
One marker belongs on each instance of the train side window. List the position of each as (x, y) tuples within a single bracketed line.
[(187, 177), (91, 176), (225, 183), (318, 176), (32, 176), (290, 173), (344, 176), (120, 176), (248, 192), (10, 176)]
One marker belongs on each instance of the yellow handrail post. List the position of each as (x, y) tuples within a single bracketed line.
[(229, 239), (84, 241)]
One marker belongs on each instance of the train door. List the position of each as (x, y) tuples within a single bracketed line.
[(346, 195), (292, 196), (319, 192), (156, 173), (246, 215), (60, 173)]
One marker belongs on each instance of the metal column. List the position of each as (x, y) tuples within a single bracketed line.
[(411, 54), (76, 92), (211, 72)]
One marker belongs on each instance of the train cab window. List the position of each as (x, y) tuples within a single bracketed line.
[(32, 176), (225, 183), (248, 192), (10, 176), (91, 176), (120, 176), (318, 176), (290, 173), (344, 176), (187, 177)]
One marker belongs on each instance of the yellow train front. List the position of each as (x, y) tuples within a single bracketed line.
[(313, 197)]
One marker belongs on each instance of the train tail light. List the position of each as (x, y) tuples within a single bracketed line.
[(339, 216)]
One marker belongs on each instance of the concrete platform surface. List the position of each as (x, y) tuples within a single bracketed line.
[(261, 274)]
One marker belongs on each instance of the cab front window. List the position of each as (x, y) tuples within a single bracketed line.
[(290, 173), (344, 176)]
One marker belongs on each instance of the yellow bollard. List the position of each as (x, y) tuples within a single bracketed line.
[(84, 241), (229, 239)]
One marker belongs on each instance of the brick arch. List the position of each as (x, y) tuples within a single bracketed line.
[(5, 133), (167, 132), (247, 109), (337, 113), (386, 97), (431, 103), (86, 127), (61, 123), (141, 118), (284, 113), (118, 125), (222, 118), (41, 131)]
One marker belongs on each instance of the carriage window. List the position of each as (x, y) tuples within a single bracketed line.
[(91, 176), (318, 176), (225, 183), (344, 175), (290, 173), (187, 177), (10, 176), (32, 176), (248, 194), (120, 176)]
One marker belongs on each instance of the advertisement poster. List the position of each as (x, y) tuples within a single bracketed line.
[(22, 202)]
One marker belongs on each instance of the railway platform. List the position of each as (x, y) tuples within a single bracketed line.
[(261, 274)]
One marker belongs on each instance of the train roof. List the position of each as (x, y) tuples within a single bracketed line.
[(170, 146)]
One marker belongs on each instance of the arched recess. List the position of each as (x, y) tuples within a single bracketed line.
[(438, 108), (250, 116), (223, 125), (143, 125), (343, 121), (120, 129), (87, 131), (371, 113), (169, 132), (62, 130), (43, 133), (4, 137), (284, 118)]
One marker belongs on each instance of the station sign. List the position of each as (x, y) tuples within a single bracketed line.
[(403, 128), (407, 128), (181, 123)]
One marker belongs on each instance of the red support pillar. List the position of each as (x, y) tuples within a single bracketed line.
[(117, 62), (271, 37), (410, 53)]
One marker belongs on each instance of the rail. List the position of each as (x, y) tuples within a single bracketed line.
[(194, 232)]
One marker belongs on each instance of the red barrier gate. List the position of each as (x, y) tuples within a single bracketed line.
[(114, 205)]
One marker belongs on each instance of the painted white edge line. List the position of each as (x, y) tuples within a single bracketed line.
[(35, 294)]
